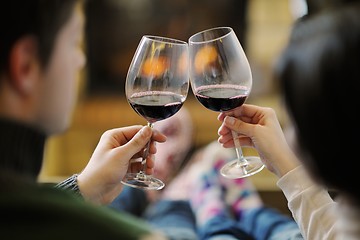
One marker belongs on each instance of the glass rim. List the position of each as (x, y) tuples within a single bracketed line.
[(230, 30), (162, 39)]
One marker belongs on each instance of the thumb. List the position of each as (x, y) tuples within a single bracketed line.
[(138, 142), (239, 126)]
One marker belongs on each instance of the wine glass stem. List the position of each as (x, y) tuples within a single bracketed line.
[(146, 153), (241, 161)]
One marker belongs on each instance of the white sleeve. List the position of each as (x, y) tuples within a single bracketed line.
[(310, 204)]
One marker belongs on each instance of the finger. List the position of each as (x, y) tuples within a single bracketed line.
[(225, 138), (138, 155), (137, 143), (228, 142), (246, 141), (149, 171), (126, 132), (150, 163), (136, 159), (129, 132), (252, 113), (223, 130), (136, 165), (239, 126), (158, 136), (221, 116)]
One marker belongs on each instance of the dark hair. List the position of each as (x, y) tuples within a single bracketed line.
[(39, 18), (319, 72), (316, 6)]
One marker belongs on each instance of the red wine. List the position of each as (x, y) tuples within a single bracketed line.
[(221, 98), (155, 105)]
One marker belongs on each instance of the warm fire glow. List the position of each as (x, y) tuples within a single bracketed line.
[(155, 66), (204, 57)]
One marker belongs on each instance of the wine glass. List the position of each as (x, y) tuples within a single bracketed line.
[(221, 80), (156, 87)]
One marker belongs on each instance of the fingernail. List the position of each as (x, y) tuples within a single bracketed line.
[(230, 120)]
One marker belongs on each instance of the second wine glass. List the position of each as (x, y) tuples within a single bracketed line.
[(221, 80), (156, 87)]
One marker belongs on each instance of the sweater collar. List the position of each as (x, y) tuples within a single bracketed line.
[(21, 148)]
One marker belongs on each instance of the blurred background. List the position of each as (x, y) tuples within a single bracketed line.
[(113, 31), (115, 27)]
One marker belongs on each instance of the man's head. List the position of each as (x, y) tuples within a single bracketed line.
[(40, 56)]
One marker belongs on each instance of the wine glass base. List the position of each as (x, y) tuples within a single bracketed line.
[(234, 170), (145, 182)]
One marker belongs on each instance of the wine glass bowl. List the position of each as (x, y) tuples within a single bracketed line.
[(156, 87), (221, 80)]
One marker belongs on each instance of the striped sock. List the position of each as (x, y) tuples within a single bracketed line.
[(239, 194), (207, 200)]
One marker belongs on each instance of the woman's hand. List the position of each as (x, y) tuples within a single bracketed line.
[(116, 154), (259, 127)]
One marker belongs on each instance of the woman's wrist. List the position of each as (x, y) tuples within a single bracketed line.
[(288, 163)]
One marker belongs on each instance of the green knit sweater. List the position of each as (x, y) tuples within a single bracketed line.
[(36, 211)]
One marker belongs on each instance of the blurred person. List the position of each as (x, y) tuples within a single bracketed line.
[(173, 154), (170, 158), (210, 206), (223, 208), (319, 72)]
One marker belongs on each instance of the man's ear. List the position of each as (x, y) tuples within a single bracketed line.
[(23, 65)]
